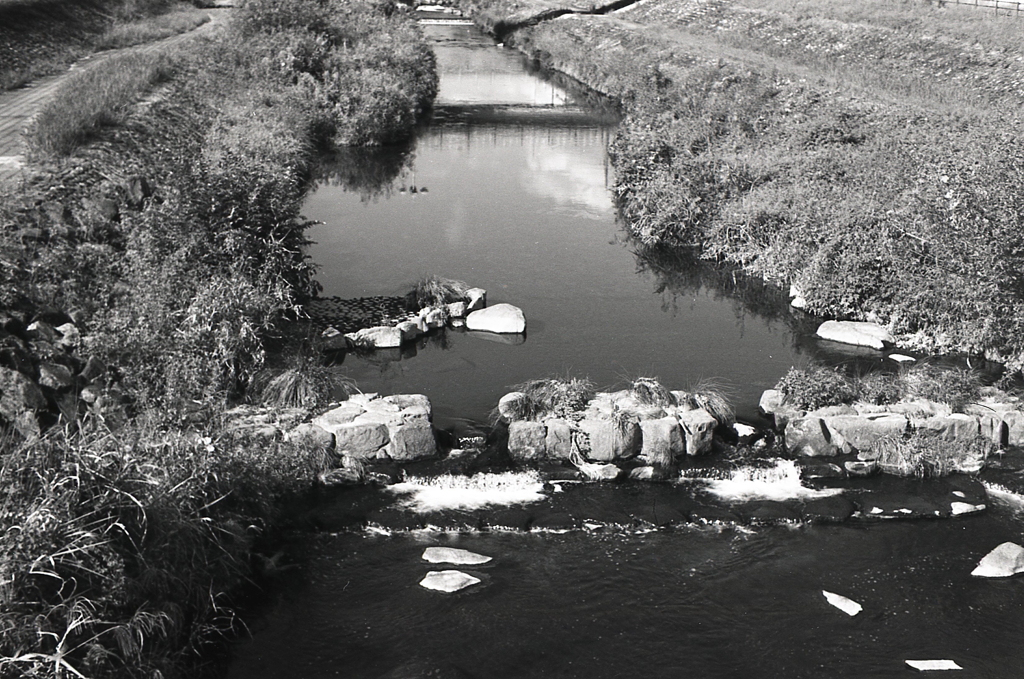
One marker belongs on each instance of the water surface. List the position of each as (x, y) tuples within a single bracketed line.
[(512, 193)]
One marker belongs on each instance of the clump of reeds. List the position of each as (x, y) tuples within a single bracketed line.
[(923, 455), (435, 291), (649, 391)]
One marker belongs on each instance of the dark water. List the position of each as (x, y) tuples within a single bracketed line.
[(700, 602), (517, 202)]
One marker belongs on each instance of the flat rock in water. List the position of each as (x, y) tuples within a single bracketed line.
[(848, 606), (855, 332), (1005, 560), (927, 665), (448, 581), (460, 557)]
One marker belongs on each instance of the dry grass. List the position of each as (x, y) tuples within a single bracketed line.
[(909, 16), (924, 456), (649, 391), (152, 28), (94, 97), (435, 291)]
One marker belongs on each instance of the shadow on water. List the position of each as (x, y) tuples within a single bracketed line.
[(372, 173)]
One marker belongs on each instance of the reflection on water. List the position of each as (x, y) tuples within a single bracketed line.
[(518, 202)]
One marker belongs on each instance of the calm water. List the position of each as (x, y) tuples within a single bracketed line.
[(517, 201)]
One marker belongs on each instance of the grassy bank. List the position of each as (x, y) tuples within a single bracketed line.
[(42, 37), (146, 273), (870, 155)]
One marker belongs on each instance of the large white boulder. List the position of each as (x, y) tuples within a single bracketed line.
[(610, 440), (500, 318), (459, 557), (859, 333), (1005, 560), (448, 581), (509, 405)]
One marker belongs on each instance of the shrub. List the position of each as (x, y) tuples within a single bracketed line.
[(957, 387), (126, 546), (816, 387), (711, 396), (881, 388)]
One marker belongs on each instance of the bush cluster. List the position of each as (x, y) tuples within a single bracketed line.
[(877, 204), (818, 387), (174, 241)]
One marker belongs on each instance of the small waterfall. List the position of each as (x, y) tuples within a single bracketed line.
[(781, 481), (450, 492), (1005, 496)]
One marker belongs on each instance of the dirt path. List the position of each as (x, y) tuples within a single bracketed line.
[(17, 107)]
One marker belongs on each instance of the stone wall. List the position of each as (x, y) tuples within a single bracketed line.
[(613, 428)]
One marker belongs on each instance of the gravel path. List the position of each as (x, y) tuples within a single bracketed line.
[(17, 107)]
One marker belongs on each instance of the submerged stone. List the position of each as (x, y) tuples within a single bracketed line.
[(379, 337), (448, 581), (459, 557)]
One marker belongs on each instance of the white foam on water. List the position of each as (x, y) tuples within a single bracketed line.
[(449, 492), (778, 482), (1005, 495)]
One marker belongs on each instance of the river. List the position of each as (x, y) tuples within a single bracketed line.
[(512, 193)]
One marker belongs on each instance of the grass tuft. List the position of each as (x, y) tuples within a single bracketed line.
[(649, 391), (435, 291), (712, 397), (553, 397)]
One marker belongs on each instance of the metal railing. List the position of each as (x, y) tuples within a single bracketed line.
[(1012, 7)]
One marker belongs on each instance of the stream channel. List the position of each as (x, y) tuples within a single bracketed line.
[(513, 195)]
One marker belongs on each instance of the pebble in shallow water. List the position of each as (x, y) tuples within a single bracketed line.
[(448, 581), (459, 557)]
